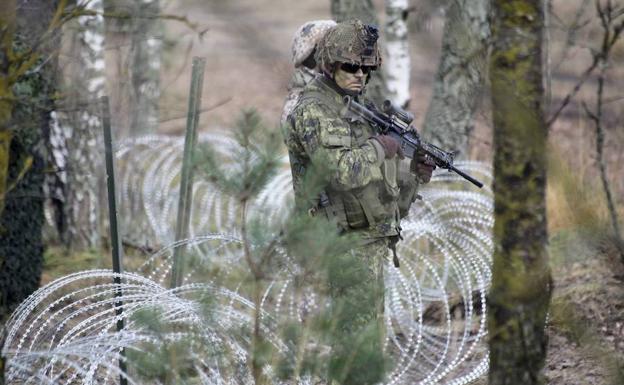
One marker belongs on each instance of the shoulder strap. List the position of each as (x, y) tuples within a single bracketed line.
[(317, 96)]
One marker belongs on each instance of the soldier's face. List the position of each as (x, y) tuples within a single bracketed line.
[(351, 77)]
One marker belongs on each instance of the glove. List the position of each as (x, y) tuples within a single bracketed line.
[(422, 166), (390, 145)]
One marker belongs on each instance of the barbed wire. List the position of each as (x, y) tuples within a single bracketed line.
[(435, 302)]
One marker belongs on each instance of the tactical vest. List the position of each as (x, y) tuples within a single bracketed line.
[(371, 210)]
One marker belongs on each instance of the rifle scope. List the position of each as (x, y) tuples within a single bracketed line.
[(391, 109)]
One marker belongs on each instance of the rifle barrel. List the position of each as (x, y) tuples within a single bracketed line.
[(466, 176)]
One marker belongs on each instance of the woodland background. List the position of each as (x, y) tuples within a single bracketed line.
[(146, 72)]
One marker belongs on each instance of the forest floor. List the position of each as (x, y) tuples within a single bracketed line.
[(586, 320), (587, 327)]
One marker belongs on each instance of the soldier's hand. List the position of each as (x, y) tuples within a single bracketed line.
[(390, 145), (423, 166)]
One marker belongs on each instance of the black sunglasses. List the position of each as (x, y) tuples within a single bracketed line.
[(353, 68)]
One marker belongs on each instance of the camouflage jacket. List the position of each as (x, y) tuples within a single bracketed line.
[(300, 78), (362, 192)]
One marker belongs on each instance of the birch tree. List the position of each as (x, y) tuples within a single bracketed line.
[(521, 283), (133, 40), (397, 66), (75, 138), (460, 76)]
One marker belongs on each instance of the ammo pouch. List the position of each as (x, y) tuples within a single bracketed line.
[(355, 217), (356, 209)]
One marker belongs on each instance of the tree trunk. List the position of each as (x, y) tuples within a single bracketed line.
[(133, 53), (21, 246), (461, 75), (521, 284), (364, 10), (7, 25), (75, 139), (397, 66)]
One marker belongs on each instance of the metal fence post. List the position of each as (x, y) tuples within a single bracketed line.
[(186, 183), (114, 228)]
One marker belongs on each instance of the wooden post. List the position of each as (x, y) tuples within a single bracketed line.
[(114, 228), (186, 183)]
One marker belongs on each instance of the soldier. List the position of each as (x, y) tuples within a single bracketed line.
[(303, 50), (367, 192)]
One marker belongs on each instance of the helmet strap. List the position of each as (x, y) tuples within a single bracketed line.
[(329, 70)]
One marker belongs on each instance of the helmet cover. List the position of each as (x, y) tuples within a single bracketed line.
[(307, 37), (350, 42)]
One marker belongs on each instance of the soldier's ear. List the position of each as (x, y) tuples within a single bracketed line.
[(334, 68), (329, 70)]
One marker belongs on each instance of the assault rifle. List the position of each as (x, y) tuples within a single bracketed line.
[(396, 122)]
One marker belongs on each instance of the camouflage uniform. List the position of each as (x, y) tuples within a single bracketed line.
[(298, 81), (365, 195)]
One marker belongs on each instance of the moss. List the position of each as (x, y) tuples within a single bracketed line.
[(6, 102), (21, 244), (519, 13), (5, 143), (521, 277), (59, 262)]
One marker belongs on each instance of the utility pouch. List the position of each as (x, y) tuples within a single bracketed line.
[(389, 170), (334, 210), (374, 210), (356, 218)]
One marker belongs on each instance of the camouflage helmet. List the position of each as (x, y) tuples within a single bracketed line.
[(350, 42), (307, 37)]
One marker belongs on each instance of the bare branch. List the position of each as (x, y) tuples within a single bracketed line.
[(589, 112), (145, 249), (574, 91), (206, 109), (613, 99), (576, 25), (609, 38), (605, 14), (81, 10)]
